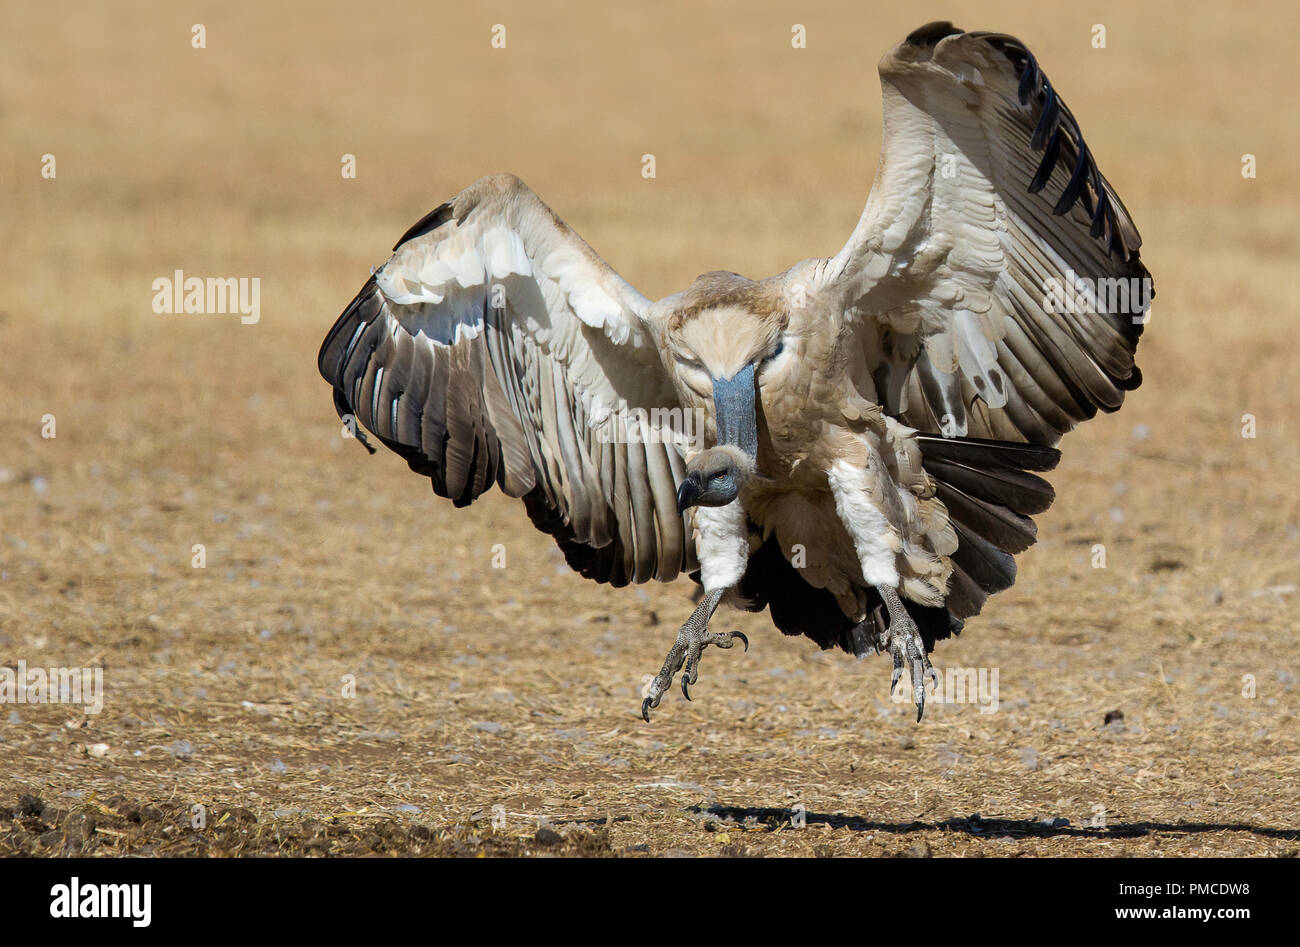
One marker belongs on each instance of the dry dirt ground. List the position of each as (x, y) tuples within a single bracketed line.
[(490, 702)]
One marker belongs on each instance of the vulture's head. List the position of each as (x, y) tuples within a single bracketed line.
[(715, 477), (727, 345)]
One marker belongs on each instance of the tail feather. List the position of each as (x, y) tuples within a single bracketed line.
[(1004, 527), (974, 451), (1005, 486), (990, 494)]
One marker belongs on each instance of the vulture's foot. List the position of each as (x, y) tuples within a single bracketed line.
[(687, 650), (904, 643)]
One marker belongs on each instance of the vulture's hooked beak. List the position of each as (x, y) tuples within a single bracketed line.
[(688, 494)]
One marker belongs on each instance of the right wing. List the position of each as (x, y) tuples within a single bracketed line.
[(495, 346)]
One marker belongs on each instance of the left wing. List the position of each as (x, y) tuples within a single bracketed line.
[(986, 202), (986, 206)]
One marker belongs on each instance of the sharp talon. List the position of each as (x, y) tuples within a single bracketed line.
[(692, 639), (904, 641)]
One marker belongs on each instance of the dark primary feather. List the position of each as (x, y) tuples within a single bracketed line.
[(990, 493), (1110, 219), (931, 33), (409, 397), (427, 224), (1055, 369)]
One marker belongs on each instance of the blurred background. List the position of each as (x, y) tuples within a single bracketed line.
[(519, 686)]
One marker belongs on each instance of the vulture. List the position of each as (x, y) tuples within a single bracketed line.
[(854, 445)]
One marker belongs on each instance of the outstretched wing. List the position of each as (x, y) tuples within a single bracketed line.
[(993, 279), (495, 346)]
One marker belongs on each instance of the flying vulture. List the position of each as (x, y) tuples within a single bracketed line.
[(854, 444)]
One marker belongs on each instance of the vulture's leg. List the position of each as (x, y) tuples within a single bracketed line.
[(855, 486), (687, 650), (903, 640)]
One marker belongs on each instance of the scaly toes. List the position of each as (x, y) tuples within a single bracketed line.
[(909, 655), (654, 693), (922, 671), (918, 685), (691, 670), (727, 639), (685, 657), (899, 662)]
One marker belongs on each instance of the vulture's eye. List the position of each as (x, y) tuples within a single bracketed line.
[(718, 477), (780, 347)]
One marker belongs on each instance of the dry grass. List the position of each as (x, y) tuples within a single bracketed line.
[(519, 687)]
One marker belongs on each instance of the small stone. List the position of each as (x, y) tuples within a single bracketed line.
[(546, 836), (80, 826)]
